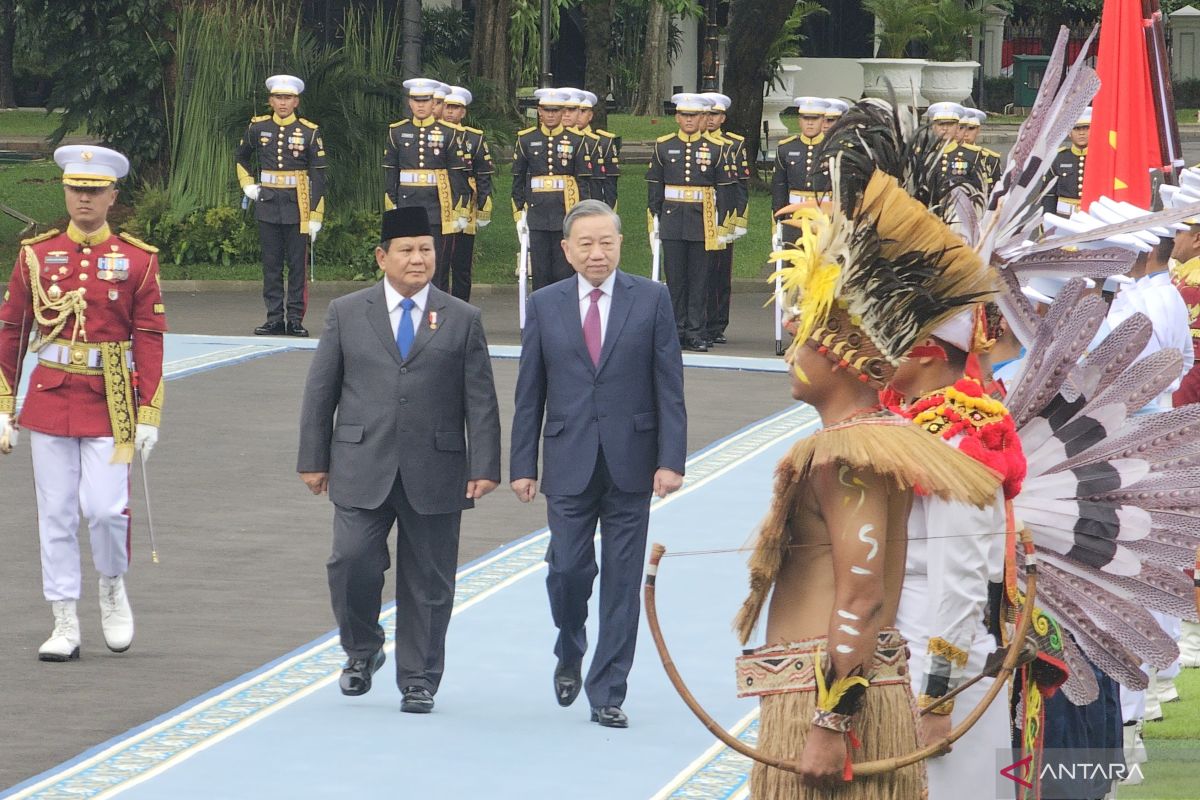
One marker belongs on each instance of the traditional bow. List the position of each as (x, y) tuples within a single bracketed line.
[(1013, 658)]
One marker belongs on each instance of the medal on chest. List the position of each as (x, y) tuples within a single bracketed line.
[(437, 139), (704, 156), (295, 143), (565, 151), (112, 267)]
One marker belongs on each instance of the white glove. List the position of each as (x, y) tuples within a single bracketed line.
[(523, 224), (482, 223), (145, 439), (314, 227), (8, 434), (460, 223), (739, 232), (251, 191)]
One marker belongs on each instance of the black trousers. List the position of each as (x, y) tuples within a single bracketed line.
[(547, 259), (720, 289), (623, 518), (688, 266), (283, 245), (454, 275), (426, 561)]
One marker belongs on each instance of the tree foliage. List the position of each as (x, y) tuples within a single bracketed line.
[(902, 22), (951, 27), (114, 80)]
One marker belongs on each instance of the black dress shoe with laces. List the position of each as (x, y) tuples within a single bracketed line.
[(269, 328), (567, 683), (297, 329), (610, 716), (696, 346), (416, 700), (356, 675)]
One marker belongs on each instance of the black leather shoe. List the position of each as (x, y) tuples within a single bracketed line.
[(356, 675), (610, 716), (297, 329), (270, 328), (416, 701), (696, 346), (567, 683), (720, 339)]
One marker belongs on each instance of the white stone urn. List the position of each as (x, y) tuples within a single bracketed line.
[(779, 98), (948, 81), (904, 75)]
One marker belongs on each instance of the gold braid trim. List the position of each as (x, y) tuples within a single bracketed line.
[(711, 231), (570, 192), (944, 707), (955, 655), (118, 392), (303, 199), (69, 304), (151, 413), (879, 442), (445, 202)]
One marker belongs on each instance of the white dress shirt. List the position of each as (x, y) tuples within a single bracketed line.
[(605, 301), (421, 299)]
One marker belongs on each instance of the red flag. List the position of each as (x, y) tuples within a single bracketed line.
[(1124, 143)]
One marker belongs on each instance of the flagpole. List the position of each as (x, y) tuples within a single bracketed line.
[(1170, 147)]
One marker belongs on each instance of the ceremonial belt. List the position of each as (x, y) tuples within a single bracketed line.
[(685, 194), (421, 177), (286, 178), (291, 179), (80, 358), (790, 667), (805, 196), (1067, 205), (553, 183)]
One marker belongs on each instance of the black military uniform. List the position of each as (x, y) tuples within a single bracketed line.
[(720, 284), (606, 164), (291, 179), (424, 167), (963, 163), (800, 175), (1067, 169), (687, 190), (552, 171), (461, 246)]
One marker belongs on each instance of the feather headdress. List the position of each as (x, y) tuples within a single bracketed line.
[(882, 270)]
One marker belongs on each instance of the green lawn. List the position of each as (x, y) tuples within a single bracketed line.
[(29, 123), (33, 188), (1174, 747)]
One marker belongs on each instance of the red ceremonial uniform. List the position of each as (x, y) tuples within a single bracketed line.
[(121, 302)]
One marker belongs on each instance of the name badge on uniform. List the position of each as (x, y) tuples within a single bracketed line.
[(674, 152)]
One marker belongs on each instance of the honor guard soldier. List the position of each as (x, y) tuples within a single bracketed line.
[(480, 169), (720, 281), (960, 162), (288, 197), (836, 107), (688, 184), (423, 167), (991, 163), (1067, 170), (800, 175), (95, 397), (552, 171), (606, 150)]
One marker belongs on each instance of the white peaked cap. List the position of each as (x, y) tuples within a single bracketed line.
[(459, 95), (811, 105), (89, 165)]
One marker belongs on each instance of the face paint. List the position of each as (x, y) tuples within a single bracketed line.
[(844, 614), (865, 537), (861, 571), (843, 649), (848, 629)]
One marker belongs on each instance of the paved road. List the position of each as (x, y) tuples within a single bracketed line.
[(243, 545)]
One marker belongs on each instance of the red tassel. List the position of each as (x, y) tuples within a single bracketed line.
[(848, 767)]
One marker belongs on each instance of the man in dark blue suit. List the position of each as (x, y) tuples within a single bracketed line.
[(600, 361)]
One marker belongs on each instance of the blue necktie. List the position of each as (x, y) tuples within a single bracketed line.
[(404, 333)]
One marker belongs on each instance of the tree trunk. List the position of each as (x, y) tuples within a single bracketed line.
[(654, 81), (598, 20), (8, 36), (410, 39), (746, 71), (490, 58)]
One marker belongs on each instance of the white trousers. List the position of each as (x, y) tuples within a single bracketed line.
[(73, 474)]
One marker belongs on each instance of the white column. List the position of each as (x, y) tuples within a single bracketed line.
[(993, 41), (1185, 43)]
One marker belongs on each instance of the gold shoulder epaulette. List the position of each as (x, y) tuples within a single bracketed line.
[(665, 138), (530, 129), (260, 118), (398, 124), (608, 134), (1064, 148), (591, 135), (737, 137), (472, 130), (136, 242), (41, 237), (308, 124), (789, 139), (972, 147), (454, 126), (989, 152)]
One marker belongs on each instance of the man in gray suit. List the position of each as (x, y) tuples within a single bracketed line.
[(416, 440), (600, 361)]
